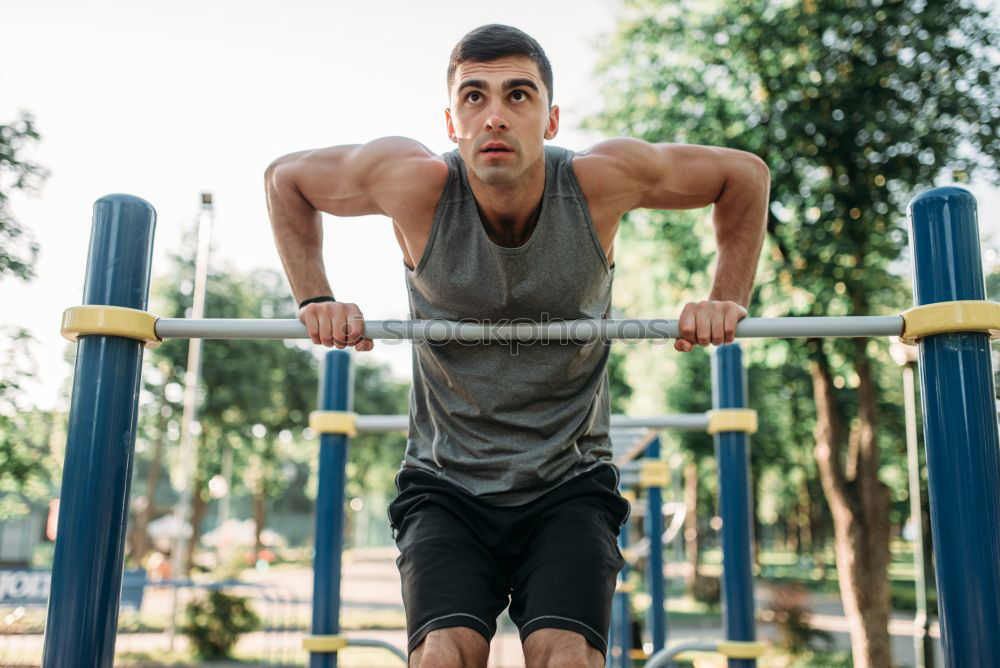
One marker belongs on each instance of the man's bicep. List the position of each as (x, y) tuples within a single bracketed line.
[(686, 176)]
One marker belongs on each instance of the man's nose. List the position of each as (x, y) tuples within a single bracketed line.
[(495, 121)]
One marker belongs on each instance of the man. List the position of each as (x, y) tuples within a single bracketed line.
[(507, 494)]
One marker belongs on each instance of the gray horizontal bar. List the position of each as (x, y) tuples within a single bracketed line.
[(682, 422), (560, 331)]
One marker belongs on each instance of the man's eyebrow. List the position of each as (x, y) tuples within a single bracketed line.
[(520, 83), (473, 83), (507, 85)]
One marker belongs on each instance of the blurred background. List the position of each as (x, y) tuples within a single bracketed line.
[(855, 105)]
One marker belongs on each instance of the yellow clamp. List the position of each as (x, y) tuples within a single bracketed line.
[(628, 495), (945, 317), (653, 473), (325, 644), (129, 323), (735, 649), (732, 649), (732, 419), (334, 422)]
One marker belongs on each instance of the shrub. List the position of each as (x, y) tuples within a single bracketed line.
[(788, 602), (214, 624)]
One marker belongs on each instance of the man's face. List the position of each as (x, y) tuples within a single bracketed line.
[(500, 117)]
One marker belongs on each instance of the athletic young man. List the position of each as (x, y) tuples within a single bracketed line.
[(507, 493)]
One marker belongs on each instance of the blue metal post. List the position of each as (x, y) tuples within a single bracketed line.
[(100, 441), (335, 395), (624, 613), (732, 451), (960, 430), (654, 530)]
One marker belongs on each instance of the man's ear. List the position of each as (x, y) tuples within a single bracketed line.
[(450, 125), (552, 129)]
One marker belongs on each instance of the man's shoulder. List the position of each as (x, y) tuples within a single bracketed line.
[(611, 166)]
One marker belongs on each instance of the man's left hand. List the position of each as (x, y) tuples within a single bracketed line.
[(702, 323)]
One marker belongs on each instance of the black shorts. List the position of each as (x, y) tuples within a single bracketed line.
[(553, 560)]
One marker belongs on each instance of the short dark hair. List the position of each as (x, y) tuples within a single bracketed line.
[(494, 41)]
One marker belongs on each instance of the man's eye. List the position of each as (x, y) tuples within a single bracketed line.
[(519, 96), (473, 97)]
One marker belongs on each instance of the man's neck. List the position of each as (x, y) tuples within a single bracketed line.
[(510, 212)]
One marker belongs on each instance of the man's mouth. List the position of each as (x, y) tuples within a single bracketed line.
[(496, 148)]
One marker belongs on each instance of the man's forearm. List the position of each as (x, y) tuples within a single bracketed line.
[(740, 217), (298, 235)]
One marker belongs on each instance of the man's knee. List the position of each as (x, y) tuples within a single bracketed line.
[(556, 648), (455, 647)]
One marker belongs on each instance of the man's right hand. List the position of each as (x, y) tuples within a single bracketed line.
[(336, 325)]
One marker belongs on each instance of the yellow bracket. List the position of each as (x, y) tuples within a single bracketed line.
[(628, 495), (734, 649), (946, 317), (653, 473), (623, 587), (129, 323), (732, 419), (334, 422), (731, 649), (325, 644)]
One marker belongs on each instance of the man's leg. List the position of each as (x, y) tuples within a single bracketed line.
[(453, 589), (566, 572), (556, 648), (455, 647)]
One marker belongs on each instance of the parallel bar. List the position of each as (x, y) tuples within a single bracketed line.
[(732, 452), (960, 430), (335, 395), (100, 442), (561, 331), (680, 422)]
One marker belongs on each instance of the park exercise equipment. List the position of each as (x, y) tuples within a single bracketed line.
[(335, 418), (731, 423), (952, 322)]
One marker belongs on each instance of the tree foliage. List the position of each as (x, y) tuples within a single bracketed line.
[(18, 249), (855, 105), (27, 462)]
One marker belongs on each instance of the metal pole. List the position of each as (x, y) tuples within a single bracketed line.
[(624, 613), (923, 647), (654, 563), (335, 395), (554, 332), (681, 422), (960, 430), (732, 452), (189, 415), (100, 442)]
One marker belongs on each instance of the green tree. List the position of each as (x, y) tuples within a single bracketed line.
[(255, 396), (27, 460), (24, 437), (855, 105), (18, 249)]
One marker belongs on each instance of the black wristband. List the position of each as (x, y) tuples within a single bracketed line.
[(316, 300)]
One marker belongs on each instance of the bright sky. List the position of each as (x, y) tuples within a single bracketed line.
[(165, 100)]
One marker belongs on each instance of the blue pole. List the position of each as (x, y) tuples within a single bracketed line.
[(625, 616), (732, 451), (100, 441), (335, 395), (654, 530), (960, 430)]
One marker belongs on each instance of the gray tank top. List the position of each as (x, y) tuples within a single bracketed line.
[(507, 421)]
